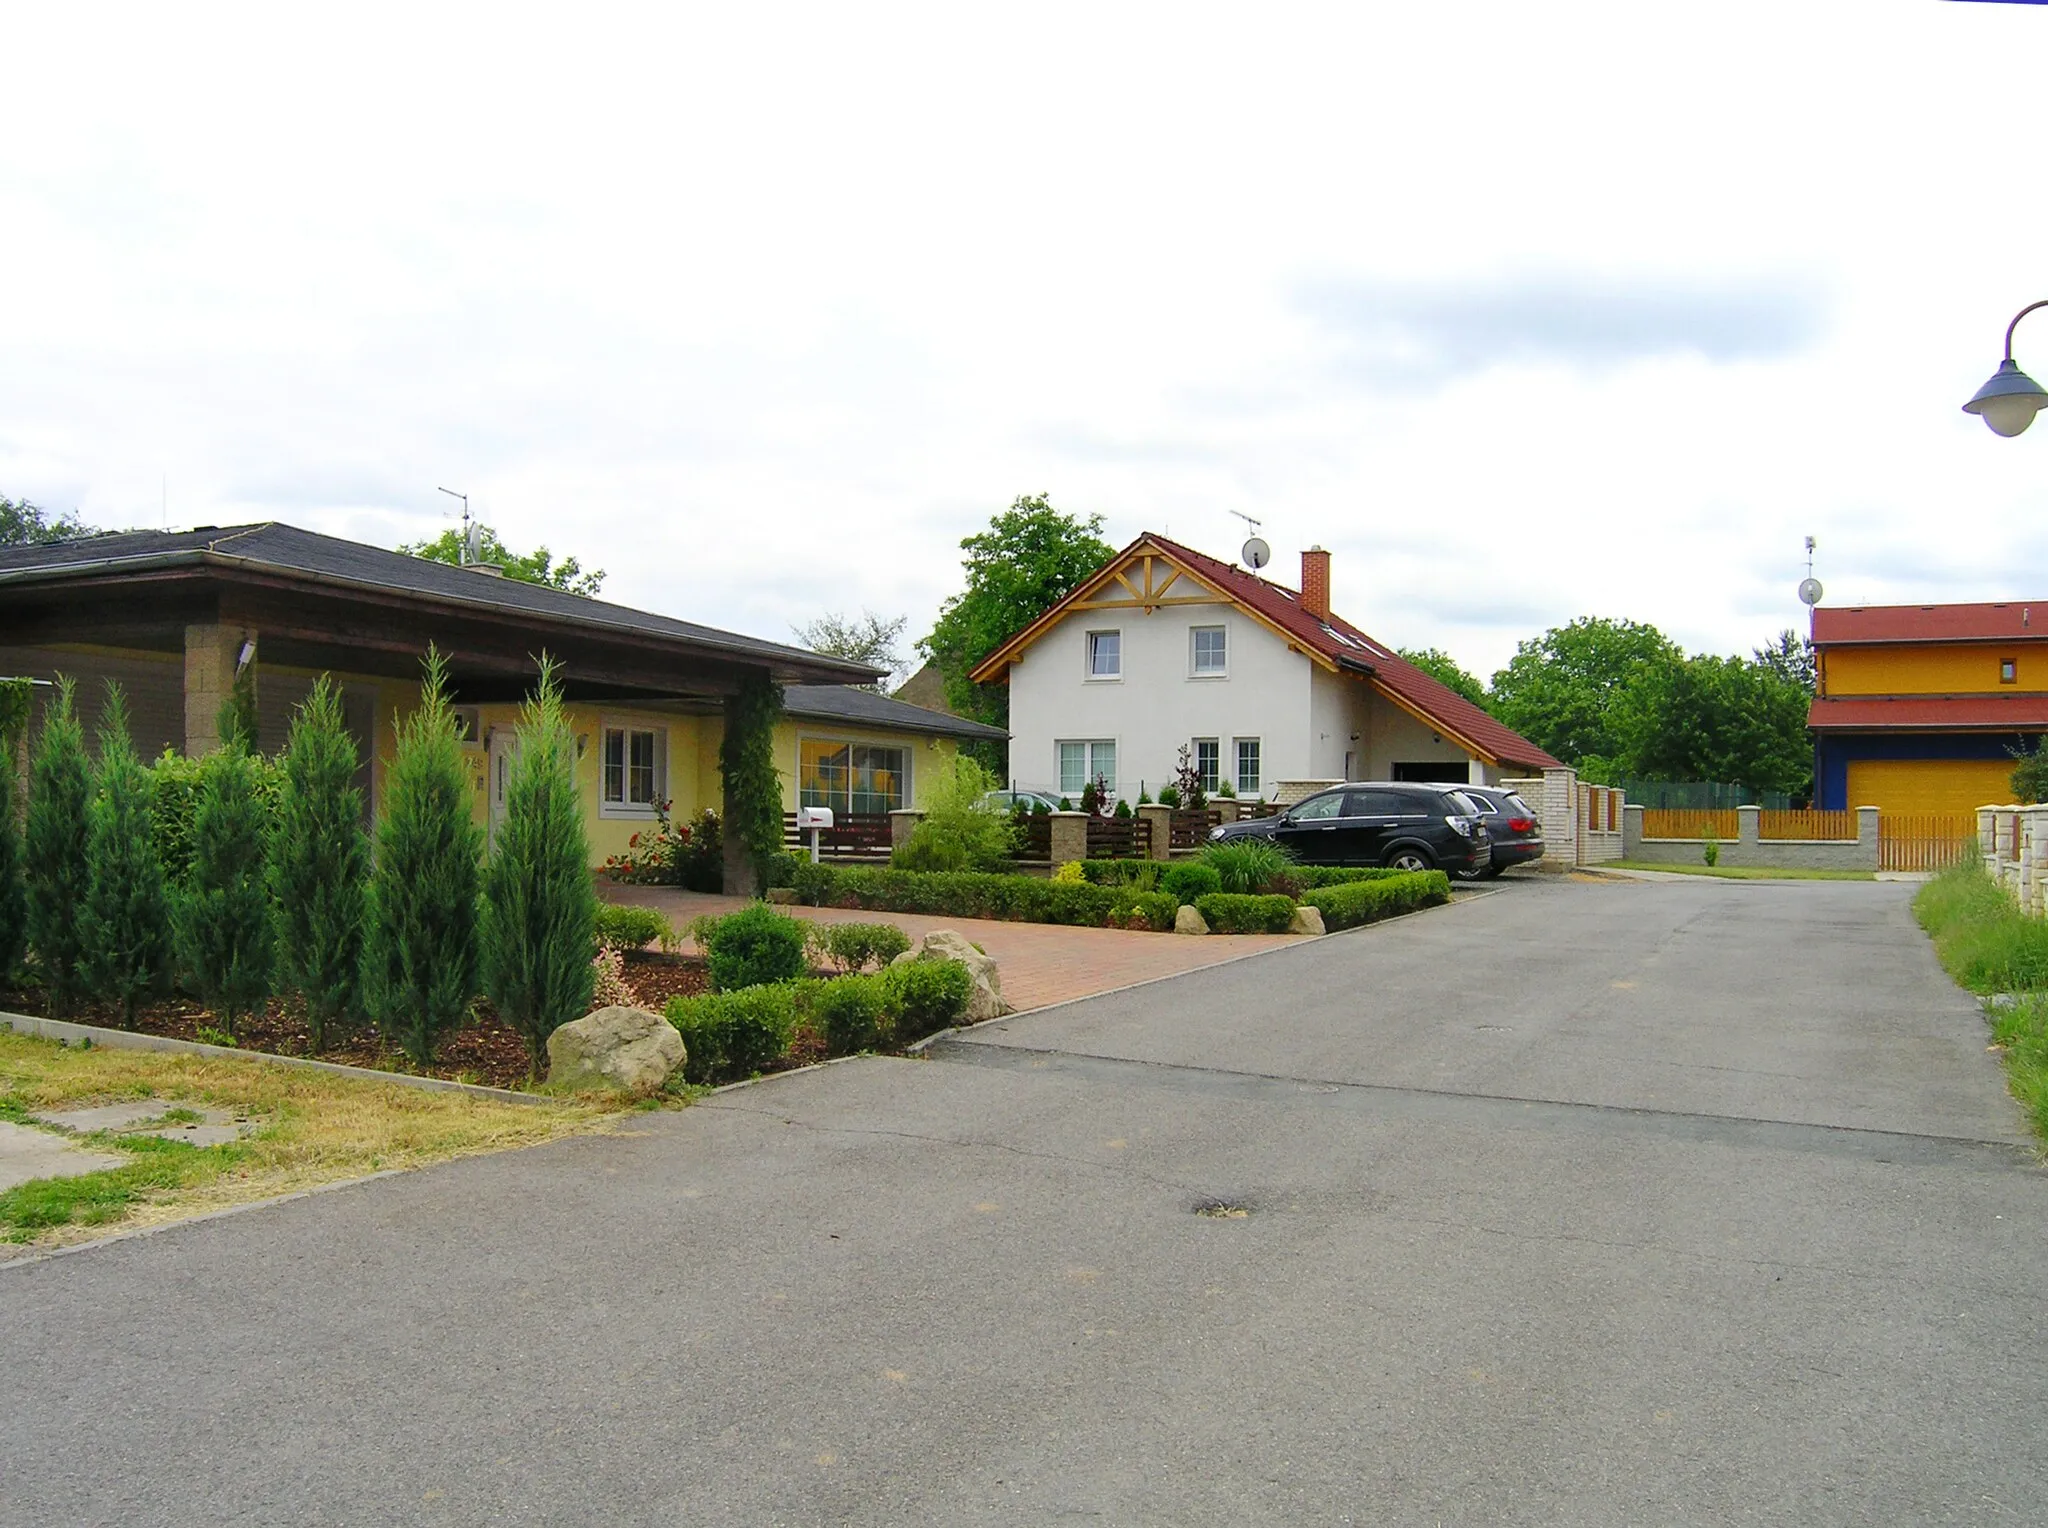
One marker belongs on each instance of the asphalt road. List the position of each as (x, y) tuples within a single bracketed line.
[(1585, 1204)]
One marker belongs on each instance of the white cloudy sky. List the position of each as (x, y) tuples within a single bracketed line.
[(1526, 311)]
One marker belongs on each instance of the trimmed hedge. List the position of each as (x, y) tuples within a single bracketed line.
[(1234, 913), (1348, 904), (978, 894), (1312, 876), (734, 1035), (1191, 881), (1152, 910)]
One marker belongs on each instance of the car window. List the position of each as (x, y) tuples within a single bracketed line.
[(1376, 804), (1488, 806), (1461, 803), (1318, 808), (1520, 807)]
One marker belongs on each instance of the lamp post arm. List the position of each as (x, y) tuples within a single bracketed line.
[(2023, 312)]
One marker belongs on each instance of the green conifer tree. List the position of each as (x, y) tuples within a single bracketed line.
[(223, 911), (420, 948), (59, 811), (125, 923), (14, 696), (540, 912), (319, 856)]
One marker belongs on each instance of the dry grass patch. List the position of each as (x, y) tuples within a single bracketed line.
[(307, 1128)]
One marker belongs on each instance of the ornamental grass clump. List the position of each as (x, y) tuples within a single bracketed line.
[(420, 945), (539, 911), (319, 865), (125, 923), (222, 912), (1248, 866), (54, 850)]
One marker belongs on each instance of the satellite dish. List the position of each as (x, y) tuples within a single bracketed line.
[(473, 543), (1256, 553), (1809, 591)]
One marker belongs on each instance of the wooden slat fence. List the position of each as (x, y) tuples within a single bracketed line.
[(1034, 838), (1806, 825), (1673, 823), (1257, 809), (852, 836), (1119, 838), (1924, 840), (1191, 829)]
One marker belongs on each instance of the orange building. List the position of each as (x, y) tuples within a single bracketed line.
[(1919, 708)]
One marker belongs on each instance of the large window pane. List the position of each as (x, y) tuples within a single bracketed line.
[(878, 778), (614, 765), (1105, 654), (1247, 766), (1208, 761), (825, 774), (640, 785), (1102, 764), (1073, 768), (1209, 649)]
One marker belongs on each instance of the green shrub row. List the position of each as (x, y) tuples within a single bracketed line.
[(1350, 903), (1229, 912), (1310, 877), (981, 894), (733, 1035)]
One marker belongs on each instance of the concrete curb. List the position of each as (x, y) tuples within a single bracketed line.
[(122, 1039)]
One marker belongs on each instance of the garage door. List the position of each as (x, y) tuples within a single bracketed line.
[(1929, 785)]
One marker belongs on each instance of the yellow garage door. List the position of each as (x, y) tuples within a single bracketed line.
[(1930, 785)]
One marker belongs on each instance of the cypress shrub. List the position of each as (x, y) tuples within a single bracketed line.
[(223, 910), (420, 942), (125, 923), (14, 707), (59, 804), (319, 856), (539, 911), (753, 785)]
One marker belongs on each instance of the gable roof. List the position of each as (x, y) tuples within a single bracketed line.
[(2004, 621), (864, 708), (1334, 643), (277, 547)]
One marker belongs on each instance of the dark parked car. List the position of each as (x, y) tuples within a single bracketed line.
[(1511, 825), (1411, 827)]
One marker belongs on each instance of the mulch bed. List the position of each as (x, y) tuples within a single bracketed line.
[(485, 1051)]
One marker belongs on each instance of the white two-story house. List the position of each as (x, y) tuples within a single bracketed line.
[(1165, 648)]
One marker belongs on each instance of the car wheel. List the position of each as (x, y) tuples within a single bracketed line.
[(1410, 859)]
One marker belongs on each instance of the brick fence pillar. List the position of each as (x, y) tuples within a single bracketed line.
[(901, 821), (1069, 837), (1161, 819)]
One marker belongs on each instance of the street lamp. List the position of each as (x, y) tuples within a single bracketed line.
[(2009, 401)]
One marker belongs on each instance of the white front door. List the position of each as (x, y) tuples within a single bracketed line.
[(504, 744)]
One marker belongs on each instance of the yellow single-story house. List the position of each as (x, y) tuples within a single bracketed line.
[(173, 617)]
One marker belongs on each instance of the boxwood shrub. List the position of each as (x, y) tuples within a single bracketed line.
[(731, 1035), (620, 927), (1234, 913), (1312, 876), (753, 947), (1191, 881), (925, 996), (1348, 904), (1137, 909)]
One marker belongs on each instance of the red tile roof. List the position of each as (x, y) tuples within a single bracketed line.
[(2006, 621), (1345, 645), (1944, 713)]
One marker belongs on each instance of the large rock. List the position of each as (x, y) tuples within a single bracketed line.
[(1307, 920), (986, 1001), (1188, 921), (625, 1048)]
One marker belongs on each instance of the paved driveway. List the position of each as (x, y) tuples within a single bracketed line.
[(1753, 1239)]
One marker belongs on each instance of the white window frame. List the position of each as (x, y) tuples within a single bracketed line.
[(1088, 656), (1195, 669), (1089, 768), (626, 726), (1257, 783)]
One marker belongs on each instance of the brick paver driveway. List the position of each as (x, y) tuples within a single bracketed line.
[(1041, 963)]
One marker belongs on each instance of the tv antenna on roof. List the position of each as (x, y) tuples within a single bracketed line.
[(472, 534), (1255, 554), (1809, 586)]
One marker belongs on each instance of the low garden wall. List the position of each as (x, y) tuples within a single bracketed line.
[(1751, 849)]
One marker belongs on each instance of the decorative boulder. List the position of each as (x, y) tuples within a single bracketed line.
[(1307, 920), (986, 1001), (1188, 921), (625, 1048)]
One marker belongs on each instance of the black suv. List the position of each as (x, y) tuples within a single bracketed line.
[(1511, 825), (1411, 827)]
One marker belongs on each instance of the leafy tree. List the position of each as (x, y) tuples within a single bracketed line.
[(1729, 719), (960, 830), (59, 817), (125, 922), (420, 945), (1790, 657), (1563, 690), (319, 856), (2030, 773), (223, 912), (23, 524), (1031, 557), (1444, 669), (539, 911), (870, 639), (753, 785), (535, 567)]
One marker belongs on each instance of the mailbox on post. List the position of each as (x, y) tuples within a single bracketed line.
[(811, 820)]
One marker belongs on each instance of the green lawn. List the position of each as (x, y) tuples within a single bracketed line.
[(1745, 872)]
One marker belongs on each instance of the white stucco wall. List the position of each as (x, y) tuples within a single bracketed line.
[(1157, 705)]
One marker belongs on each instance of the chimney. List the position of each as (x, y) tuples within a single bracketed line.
[(1315, 582)]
